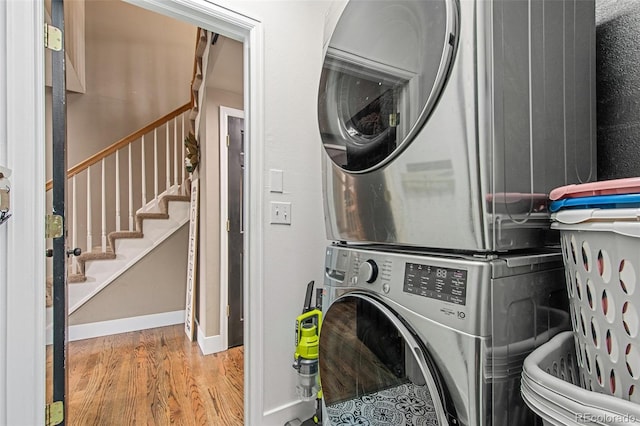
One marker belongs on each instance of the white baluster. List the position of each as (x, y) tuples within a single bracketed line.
[(167, 156), (103, 233), (130, 190), (144, 177), (74, 223), (182, 151), (89, 232), (117, 191), (175, 152), (155, 164)]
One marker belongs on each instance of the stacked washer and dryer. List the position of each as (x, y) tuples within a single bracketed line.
[(445, 125)]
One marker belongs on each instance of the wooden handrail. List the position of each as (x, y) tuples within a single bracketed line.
[(121, 143), (195, 66)]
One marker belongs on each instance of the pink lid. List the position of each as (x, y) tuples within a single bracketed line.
[(605, 187)]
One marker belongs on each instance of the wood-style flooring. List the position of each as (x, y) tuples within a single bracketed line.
[(152, 377)]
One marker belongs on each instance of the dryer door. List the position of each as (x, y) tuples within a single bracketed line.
[(384, 69), (373, 370)]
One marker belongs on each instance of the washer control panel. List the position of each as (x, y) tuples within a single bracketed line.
[(436, 282)]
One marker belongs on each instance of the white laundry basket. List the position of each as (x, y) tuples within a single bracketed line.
[(550, 388), (601, 251)]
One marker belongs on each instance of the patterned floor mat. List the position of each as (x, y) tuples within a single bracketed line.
[(407, 404)]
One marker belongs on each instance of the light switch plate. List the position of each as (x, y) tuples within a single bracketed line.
[(280, 213), (276, 180)]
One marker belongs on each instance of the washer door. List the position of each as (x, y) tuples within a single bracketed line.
[(372, 370), (385, 67)]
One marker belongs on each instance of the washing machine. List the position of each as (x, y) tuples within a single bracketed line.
[(445, 123), (417, 338)]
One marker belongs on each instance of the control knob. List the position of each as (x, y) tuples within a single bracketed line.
[(368, 271)]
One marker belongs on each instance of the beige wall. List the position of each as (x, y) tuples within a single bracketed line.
[(139, 66), (209, 264), (145, 288)]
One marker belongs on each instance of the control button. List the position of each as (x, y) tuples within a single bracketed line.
[(368, 271), (386, 288)]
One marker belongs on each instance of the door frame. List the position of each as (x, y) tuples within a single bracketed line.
[(22, 242), (22, 125), (225, 113), (233, 24)]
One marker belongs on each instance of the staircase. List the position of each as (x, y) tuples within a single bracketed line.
[(132, 195), (122, 179)]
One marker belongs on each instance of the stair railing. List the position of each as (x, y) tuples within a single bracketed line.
[(166, 136)]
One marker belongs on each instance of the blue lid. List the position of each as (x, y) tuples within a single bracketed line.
[(597, 202)]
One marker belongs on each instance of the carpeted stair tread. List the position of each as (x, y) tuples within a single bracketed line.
[(125, 234), (174, 197), (96, 255), (76, 278), (152, 215), (71, 279)]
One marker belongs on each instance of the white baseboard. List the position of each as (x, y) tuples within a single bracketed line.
[(211, 344), (300, 410), (123, 325)]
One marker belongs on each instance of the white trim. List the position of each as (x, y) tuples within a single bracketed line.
[(254, 232), (300, 410), (225, 113), (3, 229), (23, 355), (212, 344), (250, 32), (122, 325)]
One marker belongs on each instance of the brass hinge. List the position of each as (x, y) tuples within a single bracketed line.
[(228, 225), (228, 311), (53, 226), (52, 38), (54, 413), (227, 140)]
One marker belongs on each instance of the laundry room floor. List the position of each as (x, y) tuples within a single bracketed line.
[(154, 376)]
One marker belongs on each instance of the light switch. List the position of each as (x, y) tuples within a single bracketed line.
[(280, 213), (276, 180)]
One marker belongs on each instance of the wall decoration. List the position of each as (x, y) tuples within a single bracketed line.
[(193, 155), (192, 261)]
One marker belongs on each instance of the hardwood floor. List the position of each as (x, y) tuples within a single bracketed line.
[(152, 377)]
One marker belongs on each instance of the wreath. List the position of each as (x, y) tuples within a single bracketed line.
[(193, 155)]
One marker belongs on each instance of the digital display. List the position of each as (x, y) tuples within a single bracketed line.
[(435, 282)]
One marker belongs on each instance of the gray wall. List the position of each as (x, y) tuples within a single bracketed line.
[(618, 88)]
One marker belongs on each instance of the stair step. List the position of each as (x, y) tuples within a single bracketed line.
[(71, 279)]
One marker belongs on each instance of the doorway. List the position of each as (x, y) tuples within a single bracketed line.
[(249, 31), (232, 173), (26, 72)]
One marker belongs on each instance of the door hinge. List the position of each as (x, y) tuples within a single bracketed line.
[(228, 225), (54, 413), (52, 38), (227, 140), (228, 311), (53, 226)]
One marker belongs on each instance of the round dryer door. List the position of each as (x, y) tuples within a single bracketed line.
[(372, 369), (385, 67)]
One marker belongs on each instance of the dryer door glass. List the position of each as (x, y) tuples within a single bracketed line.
[(384, 69), (372, 370)]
